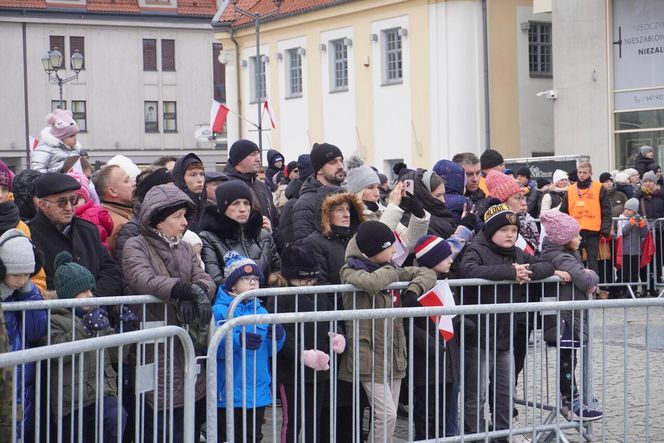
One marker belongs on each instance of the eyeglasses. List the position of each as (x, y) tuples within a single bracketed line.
[(62, 201), (250, 279)]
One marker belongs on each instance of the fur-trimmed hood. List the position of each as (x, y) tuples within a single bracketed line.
[(356, 211), (47, 138)]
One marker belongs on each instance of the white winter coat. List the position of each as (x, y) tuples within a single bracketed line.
[(51, 153)]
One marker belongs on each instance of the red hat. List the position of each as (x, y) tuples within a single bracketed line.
[(502, 186)]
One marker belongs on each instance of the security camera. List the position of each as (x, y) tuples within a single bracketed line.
[(551, 94)]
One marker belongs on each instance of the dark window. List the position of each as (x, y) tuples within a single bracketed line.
[(77, 44), (170, 117), (149, 54), (168, 55), (58, 42), (79, 114), (151, 110), (218, 74), (539, 50)]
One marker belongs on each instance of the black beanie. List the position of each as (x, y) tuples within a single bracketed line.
[(230, 191), (296, 262), (490, 159), (163, 213), (496, 217), (159, 176), (523, 171), (322, 153), (373, 237), (240, 150), (290, 167), (604, 176)]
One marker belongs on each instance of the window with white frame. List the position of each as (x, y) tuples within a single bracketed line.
[(258, 92), (339, 56), (294, 72), (392, 56), (539, 50)]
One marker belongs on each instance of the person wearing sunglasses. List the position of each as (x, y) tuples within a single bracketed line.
[(55, 228)]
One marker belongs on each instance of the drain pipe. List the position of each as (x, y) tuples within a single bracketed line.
[(25, 98), (237, 80), (487, 109)]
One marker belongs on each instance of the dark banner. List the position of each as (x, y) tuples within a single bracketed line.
[(542, 168)]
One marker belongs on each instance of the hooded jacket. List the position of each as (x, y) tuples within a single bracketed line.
[(199, 200), (271, 170), (307, 207), (260, 190), (142, 259), (285, 233), (329, 244), (455, 185), (221, 234), (51, 153), (442, 221), (99, 217)]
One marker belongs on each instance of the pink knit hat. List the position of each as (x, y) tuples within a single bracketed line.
[(62, 124), (502, 186), (560, 228), (83, 191)]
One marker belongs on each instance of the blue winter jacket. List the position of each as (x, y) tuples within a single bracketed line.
[(261, 380), (36, 323), (455, 186)]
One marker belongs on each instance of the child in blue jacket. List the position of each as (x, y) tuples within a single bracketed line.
[(255, 341)]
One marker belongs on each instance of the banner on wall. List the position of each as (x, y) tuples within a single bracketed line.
[(544, 167)]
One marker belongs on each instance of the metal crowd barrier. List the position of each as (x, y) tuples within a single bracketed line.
[(539, 385)]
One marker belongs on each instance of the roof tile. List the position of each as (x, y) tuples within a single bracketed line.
[(289, 7), (40, 4), (112, 5), (197, 7)]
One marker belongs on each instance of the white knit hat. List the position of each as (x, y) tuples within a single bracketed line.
[(558, 175)]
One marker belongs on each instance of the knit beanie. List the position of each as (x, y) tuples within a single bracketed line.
[(290, 167), (70, 279), (6, 176), (159, 176), (163, 213), (502, 186), (304, 166), (62, 124), (16, 253), (630, 172), (373, 237), (361, 177), (605, 176), (431, 250), (645, 149), (558, 175), (230, 191), (560, 228), (296, 262), (523, 171), (650, 176), (632, 204), (322, 153), (382, 178), (490, 159), (237, 266), (240, 150), (273, 156), (496, 217)]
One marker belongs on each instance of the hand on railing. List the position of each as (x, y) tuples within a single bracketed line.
[(564, 276), (204, 309), (126, 321), (522, 273), (316, 360), (337, 342), (95, 320)]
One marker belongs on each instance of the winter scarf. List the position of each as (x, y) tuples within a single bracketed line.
[(8, 216)]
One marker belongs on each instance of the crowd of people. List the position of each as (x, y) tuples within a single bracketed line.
[(196, 239)]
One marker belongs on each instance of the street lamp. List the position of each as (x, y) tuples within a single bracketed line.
[(52, 63), (257, 74)]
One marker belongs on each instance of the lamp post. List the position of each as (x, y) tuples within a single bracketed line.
[(52, 63), (257, 17)]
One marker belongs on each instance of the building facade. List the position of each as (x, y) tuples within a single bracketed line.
[(149, 76)]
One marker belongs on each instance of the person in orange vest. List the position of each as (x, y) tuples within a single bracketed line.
[(490, 160), (588, 203)]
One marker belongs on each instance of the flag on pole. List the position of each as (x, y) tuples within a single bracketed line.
[(218, 116), (33, 143), (266, 107), (440, 295)]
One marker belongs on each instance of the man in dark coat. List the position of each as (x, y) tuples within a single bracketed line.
[(55, 229), (327, 161), (244, 161), (471, 167), (645, 160), (275, 164)]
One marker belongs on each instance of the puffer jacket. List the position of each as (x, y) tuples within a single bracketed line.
[(99, 217), (583, 280), (373, 342), (307, 208), (258, 383), (64, 329), (285, 233), (34, 327), (51, 153), (644, 164), (484, 259), (143, 258), (199, 200), (455, 179), (220, 235), (442, 221), (552, 199), (261, 191)]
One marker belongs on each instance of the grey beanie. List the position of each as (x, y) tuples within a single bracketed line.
[(16, 253), (643, 150), (650, 176), (361, 177), (632, 204)]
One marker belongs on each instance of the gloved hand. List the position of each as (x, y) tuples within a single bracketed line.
[(316, 360), (127, 320), (253, 341), (204, 309), (469, 221), (337, 342), (182, 291), (95, 320), (412, 205), (187, 311), (278, 331), (409, 299)]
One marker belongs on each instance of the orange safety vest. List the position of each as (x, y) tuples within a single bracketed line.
[(585, 206)]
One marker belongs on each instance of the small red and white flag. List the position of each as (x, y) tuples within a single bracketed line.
[(218, 115), (522, 244), (266, 107), (33, 143), (401, 253), (440, 295)]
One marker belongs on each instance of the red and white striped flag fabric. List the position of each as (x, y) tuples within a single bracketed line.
[(401, 253), (440, 295), (218, 115), (266, 107), (33, 143)]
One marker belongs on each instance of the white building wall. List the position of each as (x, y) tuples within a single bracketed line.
[(294, 121), (249, 108), (391, 102), (535, 113), (12, 111), (339, 125), (456, 78)]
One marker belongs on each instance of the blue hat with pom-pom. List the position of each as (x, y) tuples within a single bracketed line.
[(238, 266)]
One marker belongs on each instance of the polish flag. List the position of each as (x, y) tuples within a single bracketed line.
[(266, 107), (218, 115), (522, 244), (401, 254), (33, 143), (440, 295)]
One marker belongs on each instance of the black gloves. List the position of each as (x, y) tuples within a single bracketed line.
[(187, 311), (204, 309), (253, 341), (95, 320), (192, 303), (412, 205), (278, 331), (183, 291), (409, 299), (469, 221)]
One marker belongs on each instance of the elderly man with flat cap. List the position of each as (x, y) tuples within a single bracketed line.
[(56, 229)]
